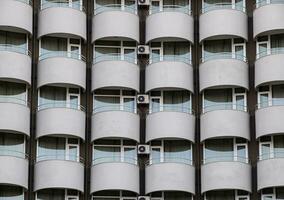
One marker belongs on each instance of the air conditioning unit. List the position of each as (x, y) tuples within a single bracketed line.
[(143, 2), (143, 50), (143, 198), (143, 149), (142, 99)]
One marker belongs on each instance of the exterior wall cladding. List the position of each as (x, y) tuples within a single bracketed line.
[(211, 124)]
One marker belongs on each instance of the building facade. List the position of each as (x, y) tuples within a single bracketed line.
[(141, 100)]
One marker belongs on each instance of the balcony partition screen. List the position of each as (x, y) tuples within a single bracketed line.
[(51, 194), (13, 41), (219, 150), (217, 48), (51, 148), (51, 97), (176, 101), (52, 46), (220, 195), (217, 99), (12, 145), (177, 151), (13, 92), (11, 193)]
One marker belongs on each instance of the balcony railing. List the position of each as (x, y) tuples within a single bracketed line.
[(115, 7), (170, 159), (218, 6), (225, 158), (223, 55), (60, 156), (170, 8), (13, 153), (66, 54), (115, 159), (271, 155), (115, 108), (273, 102), (272, 51), (267, 2), (225, 106), (170, 58), (63, 3), (29, 2), (61, 105), (15, 48), (8, 99), (171, 108), (116, 57)]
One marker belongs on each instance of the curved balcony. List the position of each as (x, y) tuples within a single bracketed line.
[(62, 68), (115, 21), (108, 173), (177, 123), (172, 21), (62, 19), (173, 175), (15, 63), (213, 24), (15, 116), (269, 68), (227, 120), (222, 175), (115, 122), (112, 70), (63, 119), (269, 120), (22, 21), (270, 171), (171, 72), (14, 168), (51, 172), (264, 13), (224, 69)]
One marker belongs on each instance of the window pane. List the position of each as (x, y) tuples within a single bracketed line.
[(240, 101), (263, 98), (155, 105), (156, 155), (278, 94), (106, 103), (219, 150), (130, 155), (279, 146), (52, 97), (11, 193), (106, 154), (51, 148), (51, 194), (221, 195), (129, 104), (217, 99), (265, 151), (217, 49), (280, 193), (242, 153), (12, 145), (177, 151), (13, 92)]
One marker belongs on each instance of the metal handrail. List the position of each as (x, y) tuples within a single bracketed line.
[(115, 7), (267, 2), (225, 106), (225, 158), (272, 51), (63, 3), (115, 108), (217, 6), (115, 57), (171, 8), (13, 153), (270, 103), (15, 48), (173, 58), (29, 2), (7, 99), (172, 108), (271, 155), (223, 55), (67, 54), (166, 159), (60, 156), (113, 159), (61, 105)]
